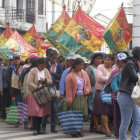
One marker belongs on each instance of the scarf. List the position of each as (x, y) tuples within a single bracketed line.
[(113, 74)]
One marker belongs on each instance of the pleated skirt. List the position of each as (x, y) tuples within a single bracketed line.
[(34, 109), (100, 108), (80, 104)]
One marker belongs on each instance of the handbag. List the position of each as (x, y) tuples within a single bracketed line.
[(71, 121), (136, 92), (52, 90), (12, 116), (45, 93), (22, 112), (7, 109), (106, 97)]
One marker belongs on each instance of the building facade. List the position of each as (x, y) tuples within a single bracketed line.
[(136, 23), (22, 13)]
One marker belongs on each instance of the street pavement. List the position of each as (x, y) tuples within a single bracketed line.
[(9, 132)]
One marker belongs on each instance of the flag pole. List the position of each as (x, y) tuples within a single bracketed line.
[(122, 5), (114, 17), (91, 7), (79, 1), (8, 24), (64, 7)]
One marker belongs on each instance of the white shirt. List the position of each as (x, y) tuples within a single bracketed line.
[(41, 74)]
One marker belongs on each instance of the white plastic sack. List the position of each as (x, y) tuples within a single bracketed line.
[(136, 92)]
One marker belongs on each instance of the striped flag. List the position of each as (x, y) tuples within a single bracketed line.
[(18, 45), (118, 34), (34, 39), (57, 28), (82, 36), (5, 35), (30, 35)]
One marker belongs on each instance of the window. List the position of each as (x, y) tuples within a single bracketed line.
[(40, 7), (1, 3), (30, 11)]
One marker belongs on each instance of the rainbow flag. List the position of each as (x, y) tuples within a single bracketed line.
[(6, 53), (82, 36), (17, 45), (57, 28), (34, 39), (118, 34), (30, 35), (5, 35)]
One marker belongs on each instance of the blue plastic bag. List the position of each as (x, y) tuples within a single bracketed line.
[(71, 121)]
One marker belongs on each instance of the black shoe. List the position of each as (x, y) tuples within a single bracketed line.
[(54, 131), (41, 132)]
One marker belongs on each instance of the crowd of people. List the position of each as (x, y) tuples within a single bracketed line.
[(80, 82)]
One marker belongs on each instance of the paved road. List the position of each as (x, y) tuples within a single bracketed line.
[(9, 132)]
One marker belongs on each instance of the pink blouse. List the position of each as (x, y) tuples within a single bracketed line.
[(101, 77), (80, 85)]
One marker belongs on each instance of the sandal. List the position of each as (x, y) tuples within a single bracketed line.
[(108, 134)]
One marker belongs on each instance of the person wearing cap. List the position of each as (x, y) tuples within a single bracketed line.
[(10, 58), (86, 62), (12, 78), (96, 60), (4, 89), (112, 85), (69, 59), (128, 109), (28, 60), (26, 66)]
